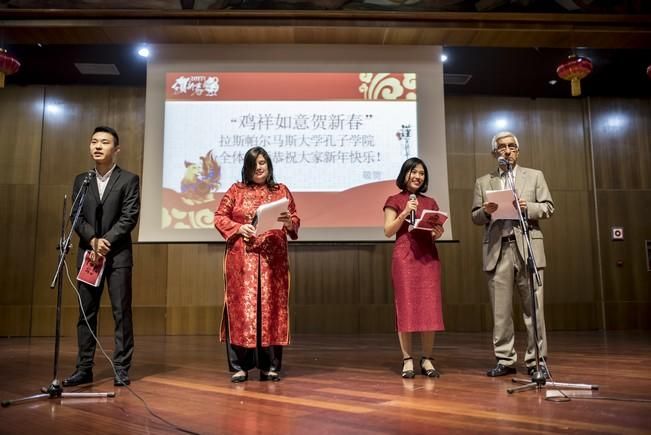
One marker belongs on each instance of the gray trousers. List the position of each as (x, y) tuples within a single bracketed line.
[(509, 274)]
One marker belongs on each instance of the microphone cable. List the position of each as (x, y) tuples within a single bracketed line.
[(144, 402)]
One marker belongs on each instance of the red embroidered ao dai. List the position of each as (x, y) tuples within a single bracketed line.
[(415, 272), (269, 251)]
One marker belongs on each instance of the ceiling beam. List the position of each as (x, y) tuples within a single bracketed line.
[(326, 27)]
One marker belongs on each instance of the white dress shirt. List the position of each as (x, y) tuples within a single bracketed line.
[(102, 181)]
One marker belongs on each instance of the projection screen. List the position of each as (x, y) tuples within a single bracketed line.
[(337, 122)]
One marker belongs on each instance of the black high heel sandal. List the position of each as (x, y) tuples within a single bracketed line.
[(407, 374), (430, 373)]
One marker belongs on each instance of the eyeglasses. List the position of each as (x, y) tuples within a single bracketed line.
[(503, 146)]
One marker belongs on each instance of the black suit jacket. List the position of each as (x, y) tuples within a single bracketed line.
[(111, 218)]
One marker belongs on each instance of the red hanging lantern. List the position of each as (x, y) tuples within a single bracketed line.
[(574, 69), (8, 65)]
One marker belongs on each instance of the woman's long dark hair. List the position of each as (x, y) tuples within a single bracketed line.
[(407, 167), (250, 165)]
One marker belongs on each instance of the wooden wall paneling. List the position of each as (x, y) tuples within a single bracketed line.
[(325, 296), (460, 141), (21, 116), (570, 275), (327, 274), (149, 292), (572, 299), (558, 145), (376, 308), (622, 150), (126, 113), (15, 320), (624, 262), (21, 110), (47, 233), (622, 159), (195, 288), (17, 233), (74, 113), (626, 315), (338, 35), (463, 281)]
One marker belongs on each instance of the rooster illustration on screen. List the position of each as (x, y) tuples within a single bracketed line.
[(201, 179)]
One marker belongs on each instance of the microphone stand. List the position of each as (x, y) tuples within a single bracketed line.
[(55, 389), (538, 380)]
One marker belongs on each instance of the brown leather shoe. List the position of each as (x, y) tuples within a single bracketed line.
[(500, 370)]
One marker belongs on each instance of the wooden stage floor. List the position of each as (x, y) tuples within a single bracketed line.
[(343, 384)]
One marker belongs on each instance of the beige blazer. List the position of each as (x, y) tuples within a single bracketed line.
[(530, 185)]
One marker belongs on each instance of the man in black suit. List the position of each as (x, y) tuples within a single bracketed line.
[(109, 214)]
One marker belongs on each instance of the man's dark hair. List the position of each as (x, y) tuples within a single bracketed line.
[(409, 166), (109, 130), (250, 165)]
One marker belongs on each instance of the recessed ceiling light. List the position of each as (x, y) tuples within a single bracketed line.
[(144, 52), (501, 123), (552, 82), (444, 58), (53, 108)]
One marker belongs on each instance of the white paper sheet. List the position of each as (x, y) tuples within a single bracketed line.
[(267, 216), (504, 201)]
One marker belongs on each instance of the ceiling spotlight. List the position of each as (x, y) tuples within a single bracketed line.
[(616, 121), (53, 108), (501, 123), (444, 58), (39, 45), (552, 82), (144, 52)]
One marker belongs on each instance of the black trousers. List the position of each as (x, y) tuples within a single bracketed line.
[(120, 291), (265, 358)]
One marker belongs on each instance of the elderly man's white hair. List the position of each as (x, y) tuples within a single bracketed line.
[(501, 135)]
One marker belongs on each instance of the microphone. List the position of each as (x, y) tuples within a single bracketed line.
[(89, 176), (502, 161), (412, 214)]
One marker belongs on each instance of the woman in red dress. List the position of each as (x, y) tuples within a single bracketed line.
[(255, 323), (415, 267)]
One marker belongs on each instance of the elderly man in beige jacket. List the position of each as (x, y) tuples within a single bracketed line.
[(505, 253)]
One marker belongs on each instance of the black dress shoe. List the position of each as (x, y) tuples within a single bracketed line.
[(239, 377), (430, 373), (121, 379), (500, 370), (543, 369), (407, 374), (270, 376), (79, 377)]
